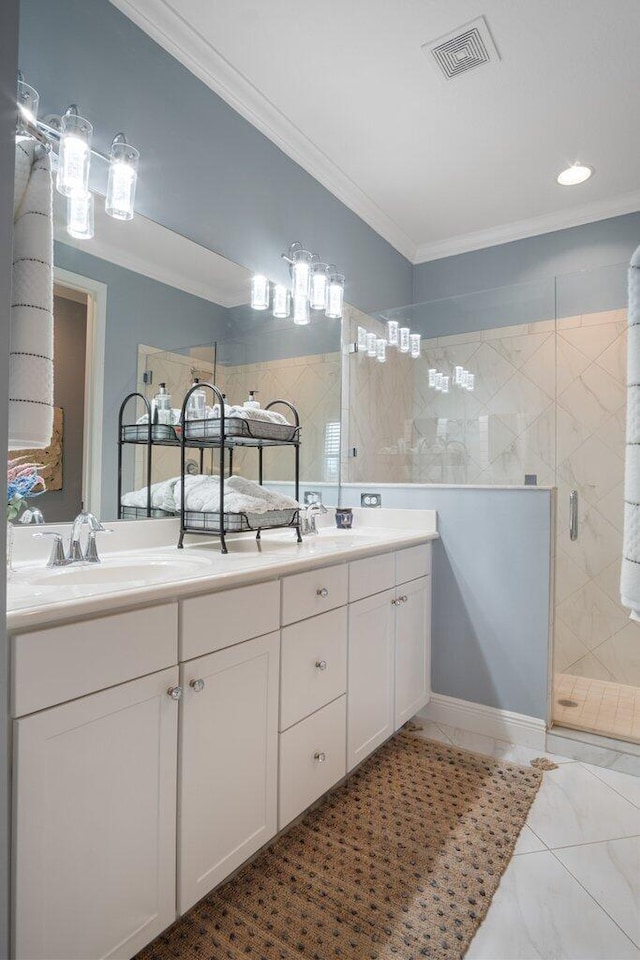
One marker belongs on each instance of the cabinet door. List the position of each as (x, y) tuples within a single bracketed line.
[(228, 762), (370, 675), (95, 815), (413, 649)]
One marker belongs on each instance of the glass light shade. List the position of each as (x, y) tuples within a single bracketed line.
[(335, 297), (362, 338), (74, 158), (432, 377), (372, 345), (458, 375), (319, 286), (445, 384), (414, 341), (392, 333), (301, 312), (471, 379), (403, 339), (439, 379), (80, 217), (28, 101), (381, 350), (123, 177), (281, 307), (301, 274), (259, 292)]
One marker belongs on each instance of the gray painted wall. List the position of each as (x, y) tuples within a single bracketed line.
[(205, 171), (592, 245), (8, 67), (139, 310), (491, 595)]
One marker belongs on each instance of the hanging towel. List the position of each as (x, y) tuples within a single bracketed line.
[(630, 576), (31, 343)]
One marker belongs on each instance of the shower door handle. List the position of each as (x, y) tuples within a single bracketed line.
[(573, 511)]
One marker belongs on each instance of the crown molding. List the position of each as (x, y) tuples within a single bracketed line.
[(534, 227), (172, 32)]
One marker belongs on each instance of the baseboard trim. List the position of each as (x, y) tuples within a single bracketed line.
[(517, 728)]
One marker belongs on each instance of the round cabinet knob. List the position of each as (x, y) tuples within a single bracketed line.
[(321, 664), (175, 693), (394, 603), (322, 592), (320, 756), (197, 685), (404, 598)]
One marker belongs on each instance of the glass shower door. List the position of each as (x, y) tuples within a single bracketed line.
[(596, 684)]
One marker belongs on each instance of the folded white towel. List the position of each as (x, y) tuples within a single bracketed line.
[(162, 496), (31, 349), (250, 413), (202, 493)]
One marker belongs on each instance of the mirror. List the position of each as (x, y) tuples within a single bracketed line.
[(139, 305)]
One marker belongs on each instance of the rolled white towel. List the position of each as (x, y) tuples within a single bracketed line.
[(162, 496), (202, 493), (257, 413)]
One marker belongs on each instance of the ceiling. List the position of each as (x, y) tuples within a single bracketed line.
[(434, 166)]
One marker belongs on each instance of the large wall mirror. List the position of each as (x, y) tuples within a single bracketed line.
[(138, 306)]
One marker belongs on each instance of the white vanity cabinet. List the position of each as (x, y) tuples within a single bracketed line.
[(95, 823), (228, 762), (389, 658)]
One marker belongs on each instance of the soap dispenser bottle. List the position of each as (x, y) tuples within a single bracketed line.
[(252, 403), (161, 406), (197, 403)]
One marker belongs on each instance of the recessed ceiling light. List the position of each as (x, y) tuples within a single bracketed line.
[(576, 173)]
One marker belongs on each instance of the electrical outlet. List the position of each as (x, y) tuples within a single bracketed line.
[(312, 496), (370, 499), (531, 479)]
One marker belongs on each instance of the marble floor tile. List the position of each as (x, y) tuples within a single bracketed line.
[(610, 872), (541, 911), (500, 749), (623, 783), (528, 842), (574, 806)]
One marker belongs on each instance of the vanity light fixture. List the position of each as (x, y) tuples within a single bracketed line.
[(123, 177), (259, 292), (414, 345), (70, 138), (80, 216), (315, 285), (281, 304), (381, 349), (575, 174), (392, 332), (74, 157), (403, 339)]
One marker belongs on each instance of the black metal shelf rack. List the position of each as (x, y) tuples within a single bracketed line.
[(223, 434)]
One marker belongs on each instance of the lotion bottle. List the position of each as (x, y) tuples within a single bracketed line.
[(161, 407), (252, 403)]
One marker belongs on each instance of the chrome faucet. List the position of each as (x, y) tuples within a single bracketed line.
[(309, 515), (75, 553)]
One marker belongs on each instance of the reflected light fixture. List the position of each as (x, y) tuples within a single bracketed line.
[(301, 312), (403, 339), (123, 176), (319, 286), (281, 306), (259, 292), (335, 298), (575, 174), (381, 349), (80, 217)]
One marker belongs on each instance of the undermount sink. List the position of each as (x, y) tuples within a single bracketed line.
[(116, 570)]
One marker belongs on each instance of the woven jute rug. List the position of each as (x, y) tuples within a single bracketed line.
[(399, 863)]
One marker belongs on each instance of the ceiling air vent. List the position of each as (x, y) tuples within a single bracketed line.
[(470, 46)]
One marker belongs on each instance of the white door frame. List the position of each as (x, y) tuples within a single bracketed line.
[(94, 382)]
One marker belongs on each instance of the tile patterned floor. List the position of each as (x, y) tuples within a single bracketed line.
[(601, 706), (572, 890)]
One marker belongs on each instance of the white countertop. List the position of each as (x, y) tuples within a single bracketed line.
[(38, 597)]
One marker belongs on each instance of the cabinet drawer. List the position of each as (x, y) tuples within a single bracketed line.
[(219, 620), (371, 575), (306, 594), (314, 665), (412, 563), (61, 663), (304, 775)]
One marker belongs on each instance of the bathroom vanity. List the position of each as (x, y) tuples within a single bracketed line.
[(164, 732)]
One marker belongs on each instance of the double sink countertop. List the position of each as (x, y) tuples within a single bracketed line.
[(141, 564)]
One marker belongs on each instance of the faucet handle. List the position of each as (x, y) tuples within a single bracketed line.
[(91, 555), (57, 558)]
